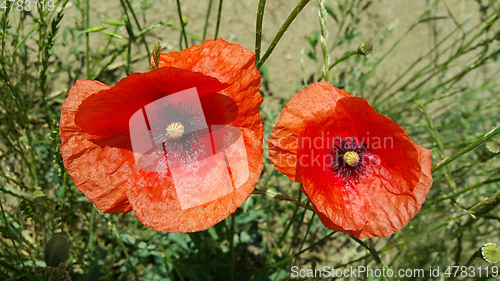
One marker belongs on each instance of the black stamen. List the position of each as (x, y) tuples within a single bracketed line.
[(182, 147), (348, 173)]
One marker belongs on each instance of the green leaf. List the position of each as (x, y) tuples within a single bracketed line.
[(95, 29), (311, 55), (433, 18), (313, 41), (111, 34), (113, 22), (38, 193), (167, 23), (330, 11)]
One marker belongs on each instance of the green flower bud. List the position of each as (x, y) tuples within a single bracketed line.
[(493, 147), (56, 250), (490, 252), (365, 48)]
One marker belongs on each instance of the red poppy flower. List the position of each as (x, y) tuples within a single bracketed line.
[(361, 171), (199, 112)]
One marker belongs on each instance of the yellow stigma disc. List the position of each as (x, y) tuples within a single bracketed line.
[(175, 130), (351, 158)]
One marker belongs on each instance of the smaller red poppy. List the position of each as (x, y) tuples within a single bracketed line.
[(361, 171)]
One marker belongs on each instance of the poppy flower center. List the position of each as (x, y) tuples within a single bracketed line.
[(179, 130), (349, 159), (175, 130)]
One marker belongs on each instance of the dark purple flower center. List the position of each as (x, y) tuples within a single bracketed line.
[(179, 130), (349, 159)]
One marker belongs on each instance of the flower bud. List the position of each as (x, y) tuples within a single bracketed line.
[(490, 252), (365, 48), (56, 250)]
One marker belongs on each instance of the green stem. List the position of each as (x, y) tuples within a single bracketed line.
[(472, 187), (206, 20), (87, 35), (122, 245), (139, 27), (173, 265), (311, 220), (477, 254), (282, 31), (283, 235), (437, 138), (231, 245), (373, 252), (183, 34), (129, 55), (324, 39), (285, 260), (219, 12), (63, 199), (16, 248), (258, 29), (343, 58), (91, 229), (281, 196), (484, 138)]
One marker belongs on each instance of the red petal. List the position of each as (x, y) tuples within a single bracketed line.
[(387, 196), (99, 172), (389, 212), (399, 167), (309, 106), (343, 204), (156, 198), (229, 63), (107, 113)]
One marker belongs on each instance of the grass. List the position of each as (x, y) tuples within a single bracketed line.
[(447, 99)]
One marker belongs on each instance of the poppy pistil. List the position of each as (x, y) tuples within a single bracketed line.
[(175, 130), (351, 158)]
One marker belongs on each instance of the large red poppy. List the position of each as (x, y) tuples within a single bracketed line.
[(97, 139), (361, 171)]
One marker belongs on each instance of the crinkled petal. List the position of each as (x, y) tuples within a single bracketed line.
[(229, 63), (343, 204), (165, 205), (311, 105), (106, 114), (388, 212), (162, 205), (398, 166), (98, 171), (388, 193), (183, 198)]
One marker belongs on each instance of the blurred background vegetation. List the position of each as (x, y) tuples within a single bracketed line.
[(435, 70)]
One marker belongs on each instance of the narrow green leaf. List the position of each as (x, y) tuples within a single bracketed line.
[(94, 29), (149, 28), (112, 34), (113, 22), (433, 18), (330, 11), (482, 139)]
